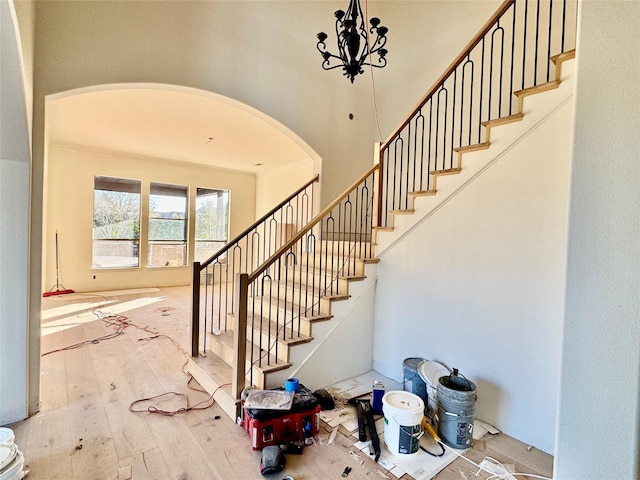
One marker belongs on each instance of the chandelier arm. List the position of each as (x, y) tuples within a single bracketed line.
[(381, 60), (326, 66), (378, 43)]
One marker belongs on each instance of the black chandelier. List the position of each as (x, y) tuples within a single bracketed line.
[(353, 47)]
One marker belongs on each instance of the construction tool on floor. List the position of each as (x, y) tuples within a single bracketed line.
[(57, 289), (273, 460), (362, 427), (373, 431), (366, 421)]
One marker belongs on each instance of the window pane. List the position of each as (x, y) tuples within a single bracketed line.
[(115, 253), (212, 222), (116, 222), (167, 225)]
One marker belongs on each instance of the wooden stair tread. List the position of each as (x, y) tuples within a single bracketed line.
[(516, 117), (290, 306), (263, 324), (471, 148), (543, 87), (311, 270), (313, 290), (309, 257), (409, 211), (561, 57), (447, 171), (270, 362), (423, 193)]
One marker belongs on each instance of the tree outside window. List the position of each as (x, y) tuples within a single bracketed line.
[(167, 225), (212, 222), (116, 222)]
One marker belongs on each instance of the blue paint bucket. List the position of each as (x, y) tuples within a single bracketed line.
[(412, 382)]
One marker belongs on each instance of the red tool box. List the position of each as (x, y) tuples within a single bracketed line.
[(277, 427), (289, 427)]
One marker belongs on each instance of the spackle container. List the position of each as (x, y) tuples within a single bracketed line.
[(378, 393)]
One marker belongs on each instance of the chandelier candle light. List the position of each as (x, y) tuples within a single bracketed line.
[(354, 49)]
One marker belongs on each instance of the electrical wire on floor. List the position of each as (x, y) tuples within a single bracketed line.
[(503, 474), (203, 405), (120, 323)]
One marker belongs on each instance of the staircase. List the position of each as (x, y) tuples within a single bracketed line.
[(280, 299)]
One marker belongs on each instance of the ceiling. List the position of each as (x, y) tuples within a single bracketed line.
[(190, 125)]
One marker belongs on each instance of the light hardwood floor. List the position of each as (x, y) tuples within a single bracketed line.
[(85, 430)]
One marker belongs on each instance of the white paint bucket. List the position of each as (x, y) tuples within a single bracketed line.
[(431, 372), (403, 413), (7, 435), (15, 470)]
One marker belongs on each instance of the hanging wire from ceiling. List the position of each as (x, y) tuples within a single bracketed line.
[(373, 80)]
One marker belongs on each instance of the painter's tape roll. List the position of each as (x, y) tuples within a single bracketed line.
[(291, 384)]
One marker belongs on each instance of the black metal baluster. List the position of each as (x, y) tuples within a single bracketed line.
[(535, 64), (267, 295), (290, 261), (564, 16), (430, 145), (330, 224), (549, 39), (444, 135), (481, 90), (453, 116), (420, 121), (213, 283), (513, 58), (524, 42), (385, 207), (402, 180), (500, 86), (464, 67)]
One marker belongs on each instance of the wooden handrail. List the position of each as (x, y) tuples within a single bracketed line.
[(257, 222), (310, 225), (474, 41)]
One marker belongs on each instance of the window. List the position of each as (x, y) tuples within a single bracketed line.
[(167, 225), (116, 222), (212, 222)]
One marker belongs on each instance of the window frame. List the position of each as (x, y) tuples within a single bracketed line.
[(103, 183), (155, 246)]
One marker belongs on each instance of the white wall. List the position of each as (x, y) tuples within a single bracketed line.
[(274, 185), (479, 285), (70, 211), (598, 419), (14, 223)]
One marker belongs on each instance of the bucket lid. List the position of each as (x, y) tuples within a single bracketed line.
[(402, 400), (413, 362), (8, 452), (431, 371)]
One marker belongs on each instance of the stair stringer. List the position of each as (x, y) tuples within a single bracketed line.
[(536, 109), (341, 347)]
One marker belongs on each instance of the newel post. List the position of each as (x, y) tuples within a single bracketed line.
[(195, 309), (240, 334)]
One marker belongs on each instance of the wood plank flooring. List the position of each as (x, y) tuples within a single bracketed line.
[(85, 431)]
